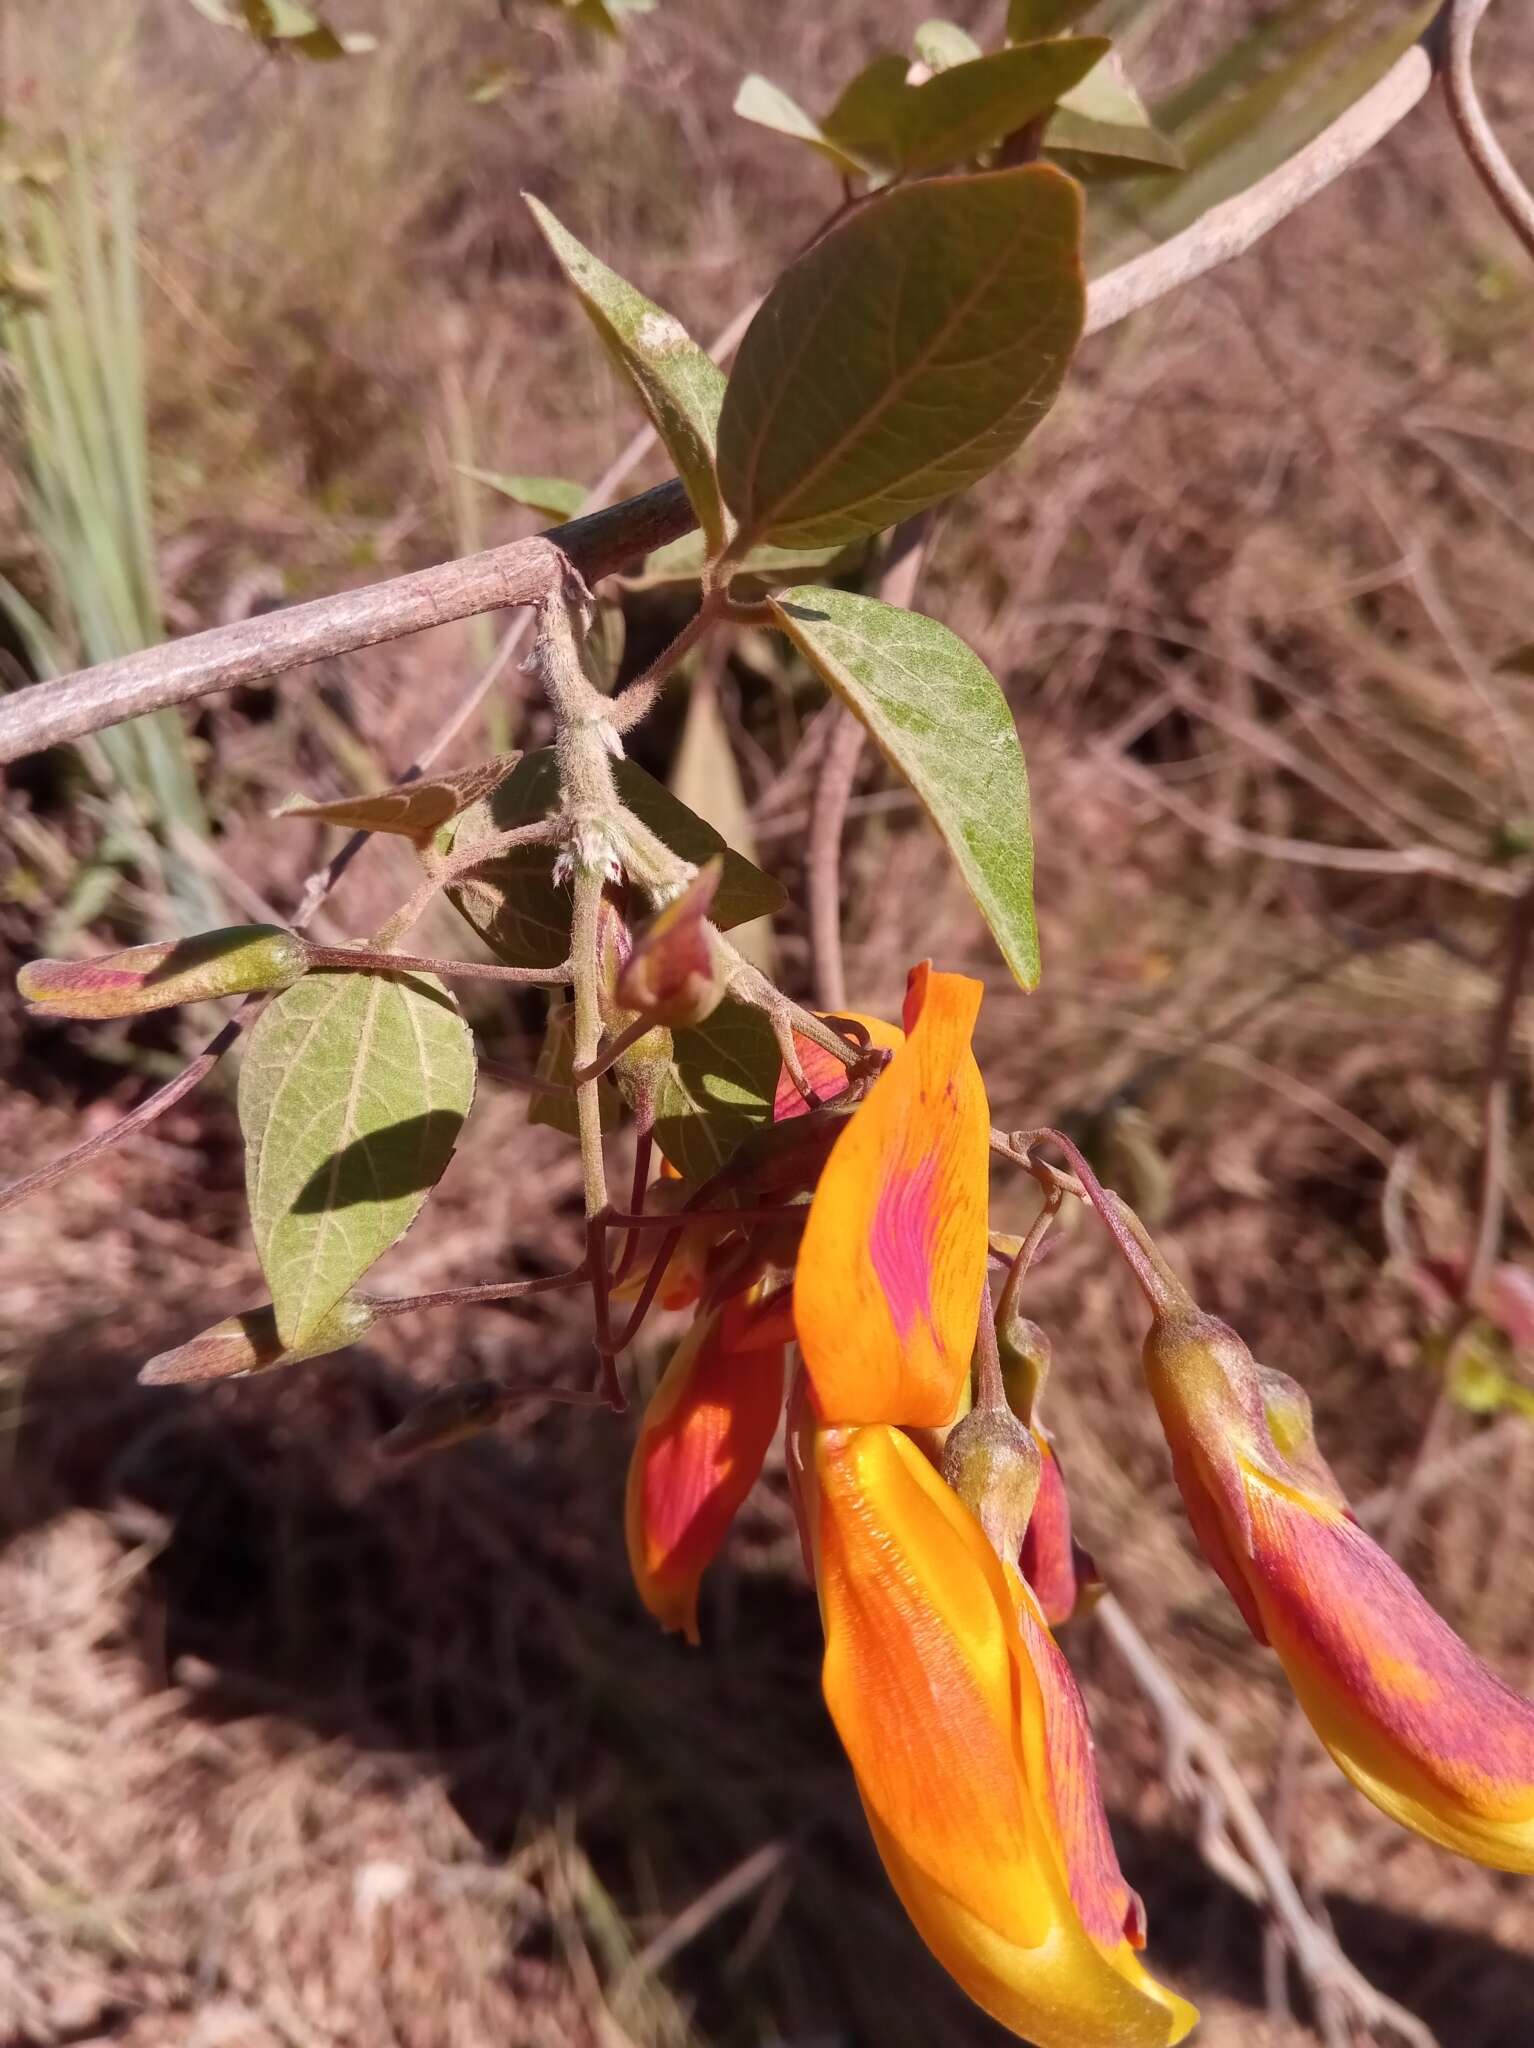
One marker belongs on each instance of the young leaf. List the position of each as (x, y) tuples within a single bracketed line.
[(906, 354), (682, 561), (519, 910), (766, 104), (938, 713), (233, 962), (960, 112), (678, 385), (556, 1063), (718, 1090), (415, 810), (866, 120), (245, 1344), (1101, 128), (942, 44), (353, 1092), (555, 496), (1027, 20)]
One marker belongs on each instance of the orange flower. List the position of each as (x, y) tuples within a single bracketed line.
[(971, 1753), (887, 1288), (700, 1449), (1422, 1727)]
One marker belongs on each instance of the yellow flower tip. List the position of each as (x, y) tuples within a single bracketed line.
[(948, 1729), (700, 1450), (888, 1281), (1425, 1729)]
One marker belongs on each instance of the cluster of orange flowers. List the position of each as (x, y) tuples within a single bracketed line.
[(958, 1711)]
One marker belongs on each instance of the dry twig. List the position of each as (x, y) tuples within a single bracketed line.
[(1488, 158)]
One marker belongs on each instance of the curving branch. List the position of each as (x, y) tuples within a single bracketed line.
[(1232, 228), (520, 573), (1488, 158), (49, 714)]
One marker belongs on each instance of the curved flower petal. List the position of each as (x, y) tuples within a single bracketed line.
[(948, 1725), (1053, 1564), (1415, 1719), (700, 1449), (826, 1074), (887, 1287)]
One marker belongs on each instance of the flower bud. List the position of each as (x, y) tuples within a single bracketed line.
[(245, 1344), (992, 1463), (674, 975), (222, 963), (1420, 1724), (449, 1416), (1025, 1357)]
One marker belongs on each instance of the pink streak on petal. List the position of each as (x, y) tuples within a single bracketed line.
[(901, 1243)]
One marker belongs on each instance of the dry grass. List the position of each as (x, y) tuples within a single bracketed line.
[(290, 1758)]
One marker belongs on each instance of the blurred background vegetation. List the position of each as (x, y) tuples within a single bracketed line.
[(291, 1757)]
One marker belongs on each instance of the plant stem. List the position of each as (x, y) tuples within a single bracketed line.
[(588, 1032), (363, 959)]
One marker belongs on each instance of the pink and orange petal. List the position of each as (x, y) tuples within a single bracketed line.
[(887, 1287)]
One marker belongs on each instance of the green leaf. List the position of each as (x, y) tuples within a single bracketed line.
[(416, 810), (866, 120), (523, 915), (902, 357), (683, 561), (1027, 20), (678, 385), (960, 113), (1101, 128), (942, 44), (938, 713), (556, 496), (353, 1092), (556, 1062), (718, 1090), (766, 104)]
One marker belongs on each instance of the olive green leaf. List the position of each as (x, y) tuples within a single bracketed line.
[(911, 350), (556, 1063), (683, 561), (518, 909), (961, 112), (556, 496), (1029, 19), (678, 385), (353, 1092), (867, 118), (768, 106), (415, 810), (1101, 128), (718, 1089), (942, 44), (938, 713)]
